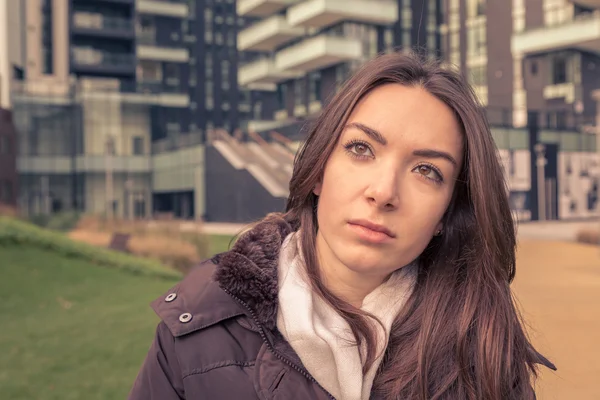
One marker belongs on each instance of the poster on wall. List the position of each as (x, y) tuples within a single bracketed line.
[(578, 185), (517, 170)]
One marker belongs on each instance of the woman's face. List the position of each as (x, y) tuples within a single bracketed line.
[(389, 181)]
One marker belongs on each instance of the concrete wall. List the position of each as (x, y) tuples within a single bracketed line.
[(106, 116), (96, 192), (234, 195), (181, 170)]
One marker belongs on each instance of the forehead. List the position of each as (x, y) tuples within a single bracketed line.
[(410, 115)]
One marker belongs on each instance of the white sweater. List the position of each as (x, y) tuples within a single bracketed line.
[(321, 337)]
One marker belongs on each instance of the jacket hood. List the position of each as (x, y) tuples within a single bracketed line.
[(248, 272)]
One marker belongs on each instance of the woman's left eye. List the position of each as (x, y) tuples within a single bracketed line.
[(429, 172), (359, 149)]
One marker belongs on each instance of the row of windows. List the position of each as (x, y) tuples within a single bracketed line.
[(6, 191), (6, 145)]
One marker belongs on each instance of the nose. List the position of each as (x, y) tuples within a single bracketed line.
[(383, 191)]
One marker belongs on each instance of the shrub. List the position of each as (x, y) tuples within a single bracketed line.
[(17, 233), (180, 237), (588, 236), (62, 221)]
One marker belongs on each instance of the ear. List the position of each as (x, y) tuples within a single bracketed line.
[(439, 228), (318, 188)]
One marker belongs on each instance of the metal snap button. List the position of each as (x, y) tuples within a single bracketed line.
[(170, 297), (185, 317)]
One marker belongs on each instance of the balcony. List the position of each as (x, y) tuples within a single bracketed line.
[(263, 72), (114, 1), (268, 34), (587, 3), (154, 93), (317, 53), (262, 8), (582, 33), (83, 163), (167, 8), (321, 13), (157, 53), (98, 25), (94, 62)]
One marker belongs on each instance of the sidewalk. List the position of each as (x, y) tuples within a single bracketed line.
[(555, 230), (223, 228)]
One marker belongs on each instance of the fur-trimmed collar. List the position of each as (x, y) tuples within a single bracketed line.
[(249, 270)]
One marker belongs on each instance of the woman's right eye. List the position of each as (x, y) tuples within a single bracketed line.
[(359, 149)]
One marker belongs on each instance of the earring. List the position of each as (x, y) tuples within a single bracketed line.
[(438, 233)]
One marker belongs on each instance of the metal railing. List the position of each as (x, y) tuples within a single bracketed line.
[(101, 22), (94, 57)]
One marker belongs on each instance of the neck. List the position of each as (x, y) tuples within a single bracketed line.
[(346, 284)]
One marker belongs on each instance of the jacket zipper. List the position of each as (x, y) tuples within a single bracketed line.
[(279, 356)]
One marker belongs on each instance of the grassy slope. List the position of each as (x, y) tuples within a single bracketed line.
[(71, 329)]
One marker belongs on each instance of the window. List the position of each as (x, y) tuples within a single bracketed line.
[(208, 25), (298, 92), (172, 74), (478, 76), (47, 37), (138, 145), (257, 110), (559, 70), (6, 191), (4, 145), (149, 71), (315, 87), (146, 30), (225, 72), (533, 68), (476, 40), (209, 94), (208, 65), (281, 95), (476, 8)]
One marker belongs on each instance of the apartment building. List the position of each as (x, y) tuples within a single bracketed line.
[(8, 53), (558, 44), (526, 55), (298, 53), (109, 93), (476, 37)]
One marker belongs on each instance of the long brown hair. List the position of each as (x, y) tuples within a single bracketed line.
[(460, 335)]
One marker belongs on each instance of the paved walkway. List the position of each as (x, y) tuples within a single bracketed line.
[(555, 230), (558, 290)]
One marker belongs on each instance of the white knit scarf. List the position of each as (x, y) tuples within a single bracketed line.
[(321, 337)]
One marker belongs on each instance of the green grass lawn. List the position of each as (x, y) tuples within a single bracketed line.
[(71, 329)]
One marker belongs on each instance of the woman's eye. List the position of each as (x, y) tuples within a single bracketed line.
[(429, 172), (361, 149)]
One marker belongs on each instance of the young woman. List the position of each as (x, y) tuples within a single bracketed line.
[(388, 276)]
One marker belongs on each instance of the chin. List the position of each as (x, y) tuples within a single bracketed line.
[(365, 260)]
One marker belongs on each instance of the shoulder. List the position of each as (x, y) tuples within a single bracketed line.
[(196, 302)]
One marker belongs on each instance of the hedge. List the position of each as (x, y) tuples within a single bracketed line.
[(14, 232)]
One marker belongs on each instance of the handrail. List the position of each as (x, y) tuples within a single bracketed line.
[(257, 138), (280, 138)]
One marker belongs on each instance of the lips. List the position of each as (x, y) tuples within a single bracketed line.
[(373, 226)]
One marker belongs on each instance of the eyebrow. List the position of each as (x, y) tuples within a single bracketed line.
[(378, 137), (372, 133), (430, 153)]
